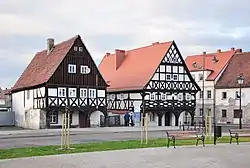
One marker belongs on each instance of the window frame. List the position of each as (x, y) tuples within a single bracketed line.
[(73, 66)]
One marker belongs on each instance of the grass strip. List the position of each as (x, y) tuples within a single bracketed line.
[(101, 146)]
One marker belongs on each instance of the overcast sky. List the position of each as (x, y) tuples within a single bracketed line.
[(104, 26)]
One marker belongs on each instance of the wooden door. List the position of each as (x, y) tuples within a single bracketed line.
[(83, 120)]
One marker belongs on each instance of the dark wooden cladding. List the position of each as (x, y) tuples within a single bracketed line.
[(61, 76)]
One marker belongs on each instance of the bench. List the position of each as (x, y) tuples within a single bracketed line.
[(174, 135), (235, 133)]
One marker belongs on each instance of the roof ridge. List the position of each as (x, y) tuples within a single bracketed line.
[(208, 54), (143, 47), (64, 41)]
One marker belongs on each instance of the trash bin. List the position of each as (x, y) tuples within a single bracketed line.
[(218, 131)]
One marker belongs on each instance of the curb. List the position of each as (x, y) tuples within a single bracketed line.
[(16, 136)]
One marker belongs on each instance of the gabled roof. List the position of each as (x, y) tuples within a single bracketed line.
[(215, 68), (136, 69), (43, 66), (238, 64), (3, 93)]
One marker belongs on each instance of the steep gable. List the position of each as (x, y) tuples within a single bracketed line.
[(238, 64), (43, 66), (172, 73), (79, 56), (215, 68), (134, 69)]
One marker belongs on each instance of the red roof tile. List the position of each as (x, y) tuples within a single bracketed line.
[(215, 68), (136, 69), (238, 64), (3, 93), (43, 66)]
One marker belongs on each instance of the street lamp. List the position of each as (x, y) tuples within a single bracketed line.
[(240, 80)]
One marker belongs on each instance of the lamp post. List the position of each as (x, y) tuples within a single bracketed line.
[(240, 80)]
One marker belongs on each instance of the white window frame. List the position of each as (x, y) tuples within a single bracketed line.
[(81, 49), (92, 93), (52, 115), (61, 91), (176, 77), (28, 94), (168, 75), (75, 48), (163, 96), (83, 93), (188, 97), (71, 68), (85, 69), (180, 97), (72, 92), (152, 96), (121, 96)]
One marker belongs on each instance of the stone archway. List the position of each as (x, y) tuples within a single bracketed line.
[(97, 118), (186, 117)]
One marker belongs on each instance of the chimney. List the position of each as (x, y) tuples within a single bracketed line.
[(204, 52), (107, 54), (219, 51), (239, 50), (119, 57), (155, 43), (50, 45), (232, 49)]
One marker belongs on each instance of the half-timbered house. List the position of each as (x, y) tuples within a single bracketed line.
[(153, 79), (63, 76)]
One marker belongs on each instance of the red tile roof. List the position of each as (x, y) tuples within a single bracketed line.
[(43, 66), (215, 68), (238, 64), (136, 69), (3, 93)]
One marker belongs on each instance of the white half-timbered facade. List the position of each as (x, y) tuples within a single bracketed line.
[(160, 86), (62, 77)]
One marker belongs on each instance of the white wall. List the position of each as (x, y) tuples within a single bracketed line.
[(95, 118), (75, 118), (18, 108)]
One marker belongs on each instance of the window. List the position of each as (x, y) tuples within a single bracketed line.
[(152, 117), (75, 48), (61, 92), (237, 113), (188, 97), (72, 68), (209, 94), (28, 94), (200, 76), (92, 93), (180, 97), (80, 49), (163, 96), (85, 69), (237, 95), (224, 95), (209, 112), (72, 92), (121, 96), (168, 77), (83, 93), (201, 112), (175, 77), (152, 96), (53, 117), (201, 94), (223, 113)]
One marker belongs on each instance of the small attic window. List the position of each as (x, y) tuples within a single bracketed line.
[(75, 48), (80, 49)]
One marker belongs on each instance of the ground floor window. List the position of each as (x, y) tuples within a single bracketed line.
[(53, 117)]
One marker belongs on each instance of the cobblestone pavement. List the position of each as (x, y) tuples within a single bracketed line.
[(219, 156)]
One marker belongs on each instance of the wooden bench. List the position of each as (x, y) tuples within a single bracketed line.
[(235, 133), (174, 135)]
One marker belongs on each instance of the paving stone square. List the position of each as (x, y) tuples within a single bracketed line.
[(219, 156)]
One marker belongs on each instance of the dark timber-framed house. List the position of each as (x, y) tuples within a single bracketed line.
[(64, 75), (152, 79)]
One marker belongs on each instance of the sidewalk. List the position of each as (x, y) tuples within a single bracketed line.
[(76, 131)]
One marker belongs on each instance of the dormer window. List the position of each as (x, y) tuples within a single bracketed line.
[(71, 68), (75, 48)]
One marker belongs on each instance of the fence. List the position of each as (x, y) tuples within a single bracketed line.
[(7, 118)]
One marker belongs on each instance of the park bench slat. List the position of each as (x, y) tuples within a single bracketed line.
[(236, 133), (177, 135)]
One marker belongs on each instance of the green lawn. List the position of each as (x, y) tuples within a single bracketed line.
[(102, 146)]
